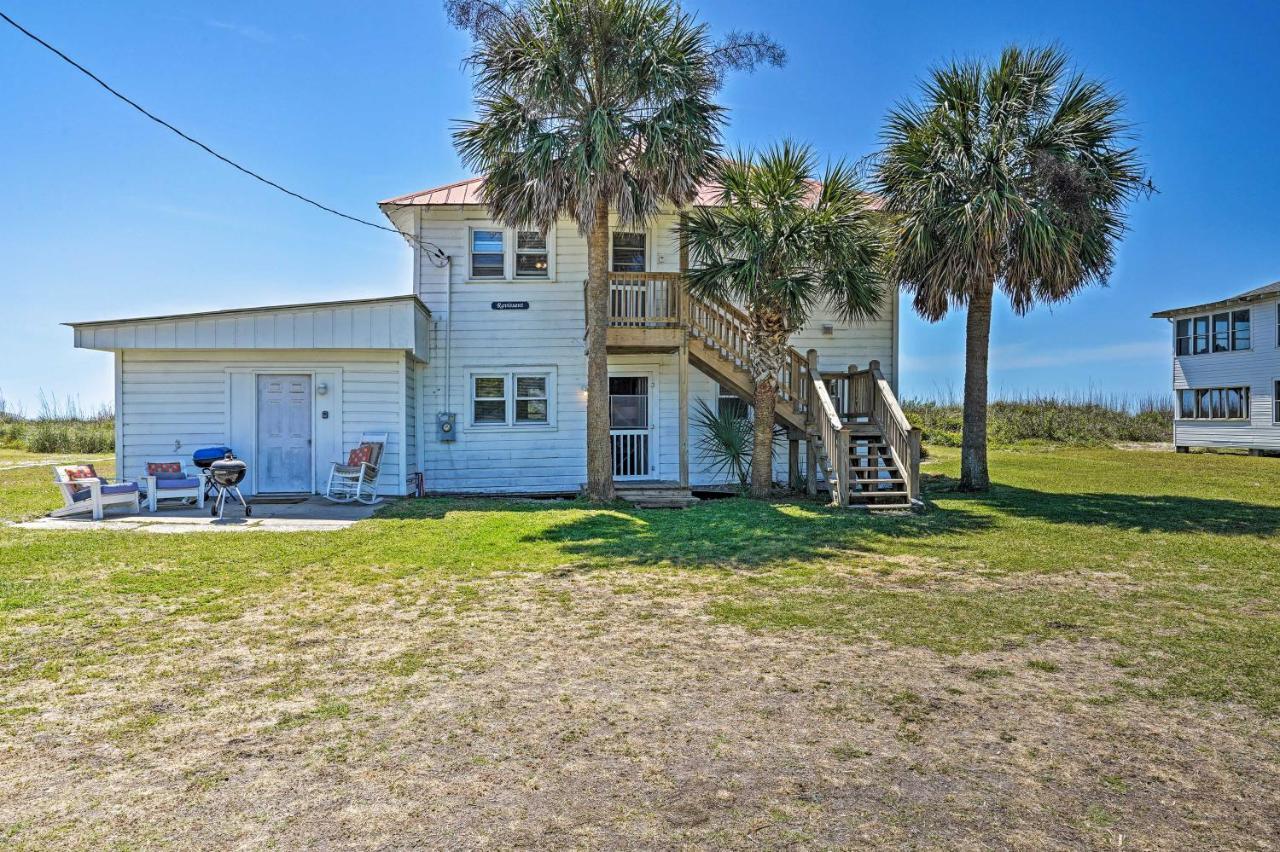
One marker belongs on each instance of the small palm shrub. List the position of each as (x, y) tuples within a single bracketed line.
[(724, 442)]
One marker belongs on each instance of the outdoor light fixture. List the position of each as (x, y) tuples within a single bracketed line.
[(322, 389)]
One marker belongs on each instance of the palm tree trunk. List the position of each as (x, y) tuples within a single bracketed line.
[(766, 400), (973, 445), (599, 457)]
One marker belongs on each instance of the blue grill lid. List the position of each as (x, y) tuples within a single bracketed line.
[(209, 454)]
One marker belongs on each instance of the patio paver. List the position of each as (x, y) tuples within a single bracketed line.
[(312, 515)]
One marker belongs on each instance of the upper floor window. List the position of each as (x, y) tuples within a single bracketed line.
[(488, 255), (500, 254), (1213, 404), (628, 252), (531, 255), (1227, 331)]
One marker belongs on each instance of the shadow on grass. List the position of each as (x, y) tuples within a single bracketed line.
[(1164, 513), (733, 531)]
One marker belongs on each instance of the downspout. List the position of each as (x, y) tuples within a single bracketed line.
[(448, 331)]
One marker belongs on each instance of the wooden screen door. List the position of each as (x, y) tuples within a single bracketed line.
[(283, 464), (632, 421)]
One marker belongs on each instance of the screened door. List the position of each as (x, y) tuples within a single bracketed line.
[(631, 433)]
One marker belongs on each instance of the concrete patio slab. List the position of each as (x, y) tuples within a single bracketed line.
[(314, 514)]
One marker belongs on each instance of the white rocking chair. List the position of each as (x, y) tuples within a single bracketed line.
[(357, 480), (84, 491)]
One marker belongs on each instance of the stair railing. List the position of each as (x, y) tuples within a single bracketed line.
[(871, 396), (830, 430)]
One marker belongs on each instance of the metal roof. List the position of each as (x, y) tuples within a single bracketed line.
[(1254, 295), (227, 311), (471, 191)]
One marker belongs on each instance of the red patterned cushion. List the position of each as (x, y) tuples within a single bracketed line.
[(81, 471), (154, 468), (362, 454)]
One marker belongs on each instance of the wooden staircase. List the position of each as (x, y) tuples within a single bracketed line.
[(853, 426)]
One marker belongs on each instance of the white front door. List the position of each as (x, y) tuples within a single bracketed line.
[(283, 463), (633, 430)]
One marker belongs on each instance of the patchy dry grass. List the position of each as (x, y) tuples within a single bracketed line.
[(1079, 659)]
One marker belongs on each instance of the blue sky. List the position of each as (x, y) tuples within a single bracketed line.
[(104, 214)]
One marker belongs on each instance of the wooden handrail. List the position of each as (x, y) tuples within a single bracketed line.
[(831, 431)]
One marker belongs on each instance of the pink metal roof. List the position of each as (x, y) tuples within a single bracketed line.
[(470, 192)]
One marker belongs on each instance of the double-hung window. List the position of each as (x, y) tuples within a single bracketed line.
[(511, 397), (500, 254), (628, 252), (1275, 402), (729, 404), (531, 255), (488, 253), (1240, 334), (1182, 337)]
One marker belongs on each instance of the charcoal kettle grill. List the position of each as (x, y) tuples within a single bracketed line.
[(225, 476)]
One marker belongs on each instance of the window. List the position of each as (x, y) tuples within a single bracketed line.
[(628, 252), (729, 404), (1228, 331), (628, 402), (489, 401), (531, 255), (511, 398), (488, 257), (1240, 338), (1275, 402), (1186, 404), (531, 399), (1222, 332), (1200, 342), (1215, 403), (1182, 337)]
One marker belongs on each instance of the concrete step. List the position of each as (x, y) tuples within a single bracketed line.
[(664, 502)]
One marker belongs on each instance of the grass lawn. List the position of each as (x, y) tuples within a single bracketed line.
[(1086, 656)]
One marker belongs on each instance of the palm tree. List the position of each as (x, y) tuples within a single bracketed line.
[(781, 244), (587, 105), (1013, 176)]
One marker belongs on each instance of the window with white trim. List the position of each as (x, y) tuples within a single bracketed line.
[(520, 397), (532, 257), (488, 253), (1213, 403), (1225, 331), (628, 252), (729, 403), (1275, 401)]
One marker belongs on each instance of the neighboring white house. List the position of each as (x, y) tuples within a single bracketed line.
[(478, 376), (1226, 371)]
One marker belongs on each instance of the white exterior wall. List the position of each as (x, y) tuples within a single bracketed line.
[(172, 402), (549, 336), (1258, 368)]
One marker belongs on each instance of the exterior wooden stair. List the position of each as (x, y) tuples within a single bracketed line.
[(855, 430), (655, 495)]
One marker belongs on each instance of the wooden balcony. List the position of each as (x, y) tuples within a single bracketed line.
[(646, 312)]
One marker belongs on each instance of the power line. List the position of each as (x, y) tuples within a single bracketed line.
[(430, 247)]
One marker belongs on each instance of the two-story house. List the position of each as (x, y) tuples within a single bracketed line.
[(478, 376), (1226, 371)]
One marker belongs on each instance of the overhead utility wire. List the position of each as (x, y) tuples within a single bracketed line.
[(431, 248)]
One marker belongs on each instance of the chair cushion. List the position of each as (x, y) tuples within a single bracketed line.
[(81, 471), (122, 488), (362, 454), (165, 470), (176, 482)]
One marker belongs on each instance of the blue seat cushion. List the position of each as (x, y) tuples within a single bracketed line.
[(122, 488), (177, 482)]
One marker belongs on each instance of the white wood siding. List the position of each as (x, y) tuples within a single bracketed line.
[(549, 335), (173, 402), (1257, 368)]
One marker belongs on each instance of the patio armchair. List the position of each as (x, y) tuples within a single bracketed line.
[(84, 491), (170, 480), (357, 480)]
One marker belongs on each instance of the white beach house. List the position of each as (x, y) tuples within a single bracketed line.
[(478, 374)]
